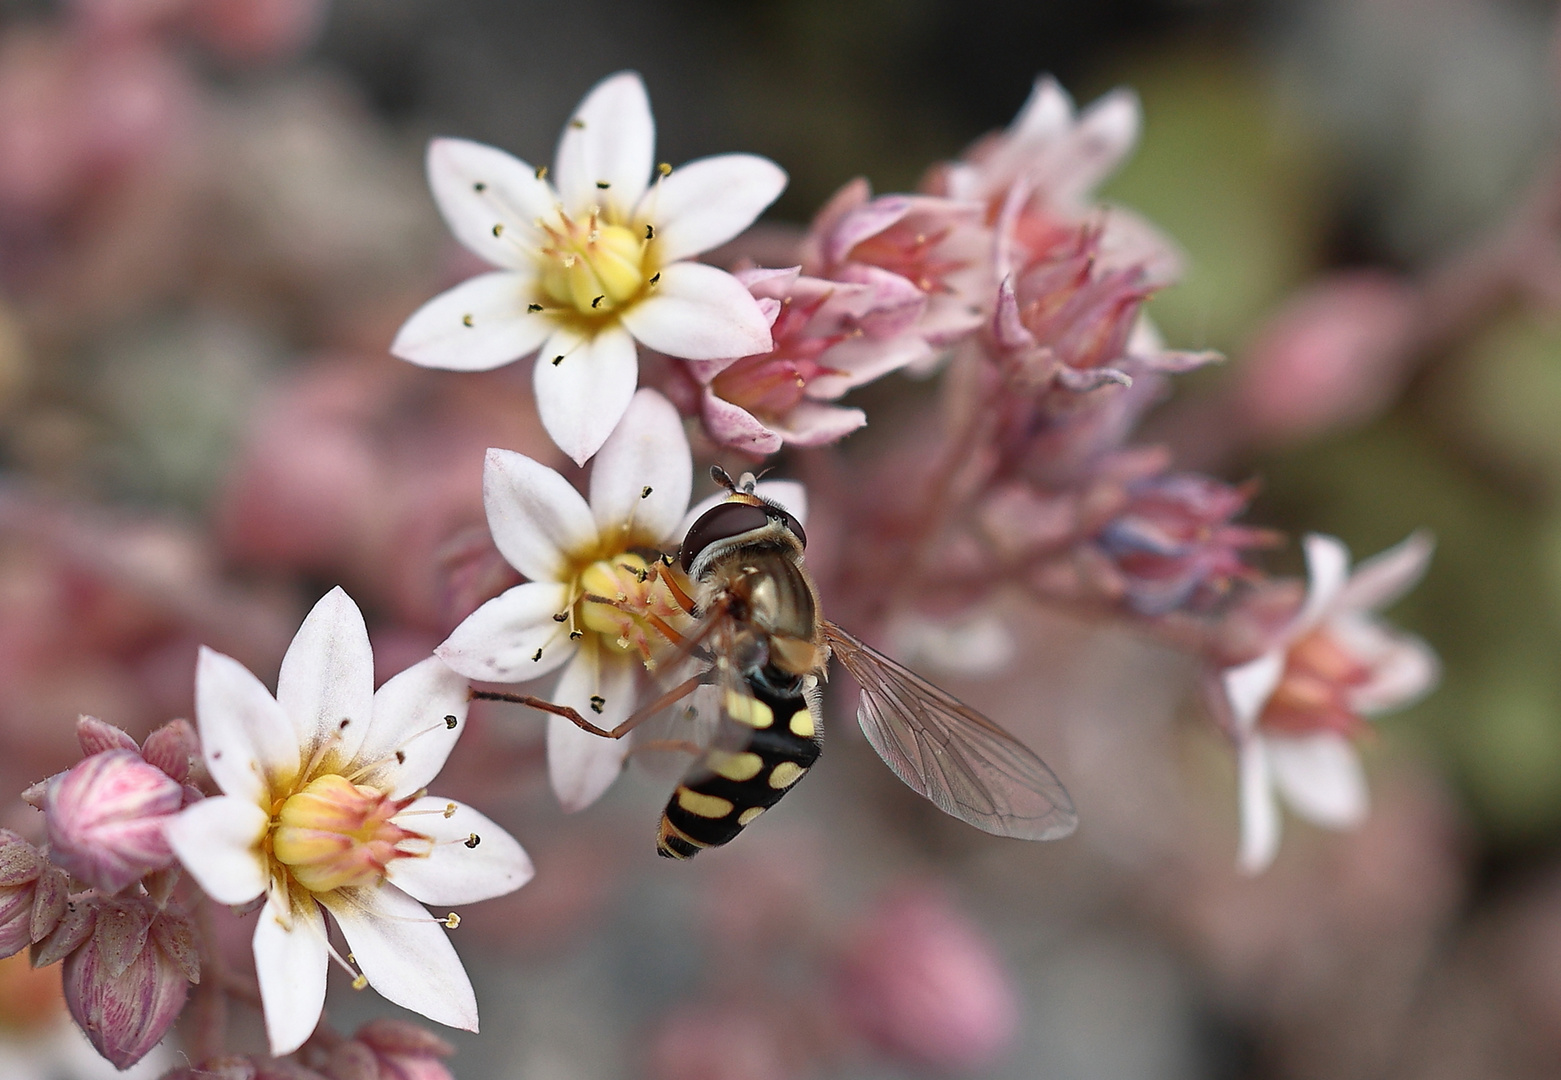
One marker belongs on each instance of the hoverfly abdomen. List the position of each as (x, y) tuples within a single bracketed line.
[(731, 786)]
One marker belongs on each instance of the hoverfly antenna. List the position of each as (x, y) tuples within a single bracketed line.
[(724, 478), (746, 482)]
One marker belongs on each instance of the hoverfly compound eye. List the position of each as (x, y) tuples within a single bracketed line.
[(721, 522), (793, 526)]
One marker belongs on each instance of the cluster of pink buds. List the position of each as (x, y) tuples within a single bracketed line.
[(99, 896)]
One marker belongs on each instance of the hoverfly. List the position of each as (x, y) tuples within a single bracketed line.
[(764, 647)]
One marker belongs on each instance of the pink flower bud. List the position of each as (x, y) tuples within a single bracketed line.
[(123, 987), (921, 984), (106, 818), (96, 736), (20, 866), (401, 1051), (171, 748)]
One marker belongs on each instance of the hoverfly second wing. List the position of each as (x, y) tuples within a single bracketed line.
[(946, 751)]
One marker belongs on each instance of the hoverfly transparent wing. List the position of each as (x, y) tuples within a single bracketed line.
[(946, 751)]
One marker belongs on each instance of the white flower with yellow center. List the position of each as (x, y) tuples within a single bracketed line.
[(592, 265), (593, 600), (323, 805)]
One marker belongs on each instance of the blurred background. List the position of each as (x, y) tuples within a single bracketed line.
[(213, 219)]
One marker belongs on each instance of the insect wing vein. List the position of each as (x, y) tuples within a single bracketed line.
[(942, 749)]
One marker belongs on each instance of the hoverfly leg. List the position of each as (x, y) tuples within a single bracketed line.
[(681, 746), (543, 705), (646, 711)]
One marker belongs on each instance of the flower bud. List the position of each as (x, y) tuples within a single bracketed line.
[(20, 866), (122, 987), (96, 736), (171, 748), (397, 1051), (106, 818), (921, 984)]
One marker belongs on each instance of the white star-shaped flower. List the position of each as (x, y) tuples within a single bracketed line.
[(593, 265), (1296, 707), (577, 554), (323, 805)]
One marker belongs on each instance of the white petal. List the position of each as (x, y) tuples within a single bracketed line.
[(582, 398), (218, 841), (1403, 668), (1249, 686), (787, 493), (411, 734), (611, 139), (581, 765), (1321, 777), (536, 517), (1104, 135), (452, 872), (246, 738), (644, 474), (1259, 811), (480, 324), (707, 202), (478, 187), (405, 953), (1327, 569), (699, 313), (291, 962), (1388, 575), (813, 423), (499, 641), (326, 686)]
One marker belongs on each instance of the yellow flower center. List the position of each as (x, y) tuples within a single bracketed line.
[(335, 834), (628, 605), (596, 267)]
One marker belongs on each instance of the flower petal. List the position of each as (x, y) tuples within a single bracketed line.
[(608, 147), (1104, 135), (246, 738), (536, 517), (813, 423), (1388, 575), (732, 425), (405, 953), (1259, 811), (699, 313), (478, 187), (644, 474), (454, 871), (707, 202), (291, 962), (218, 841), (1248, 687), (1321, 777), (788, 493), (500, 641), (582, 397), (1327, 569), (600, 686), (1403, 668), (480, 324), (326, 686), (412, 733)]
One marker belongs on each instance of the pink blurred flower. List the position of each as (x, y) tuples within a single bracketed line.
[(921, 983), (724, 1041), (829, 336), (106, 817), (393, 1050), (1334, 355), (128, 983), (1295, 708)]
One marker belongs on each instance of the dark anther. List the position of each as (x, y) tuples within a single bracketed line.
[(603, 184), (655, 277), (479, 187), (577, 123), (557, 360), (450, 722), (401, 757), (561, 616), (576, 635), (645, 492), (533, 307), (650, 232), (536, 656), (466, 320), (473, 840), (498, 229), (597, 703), (598, 301)]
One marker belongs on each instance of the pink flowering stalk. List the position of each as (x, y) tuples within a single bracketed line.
[(593, 265), (1298, 707)]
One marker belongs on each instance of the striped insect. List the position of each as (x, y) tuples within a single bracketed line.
[(761, 643)]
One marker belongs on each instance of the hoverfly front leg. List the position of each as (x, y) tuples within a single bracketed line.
[(639, 716)]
